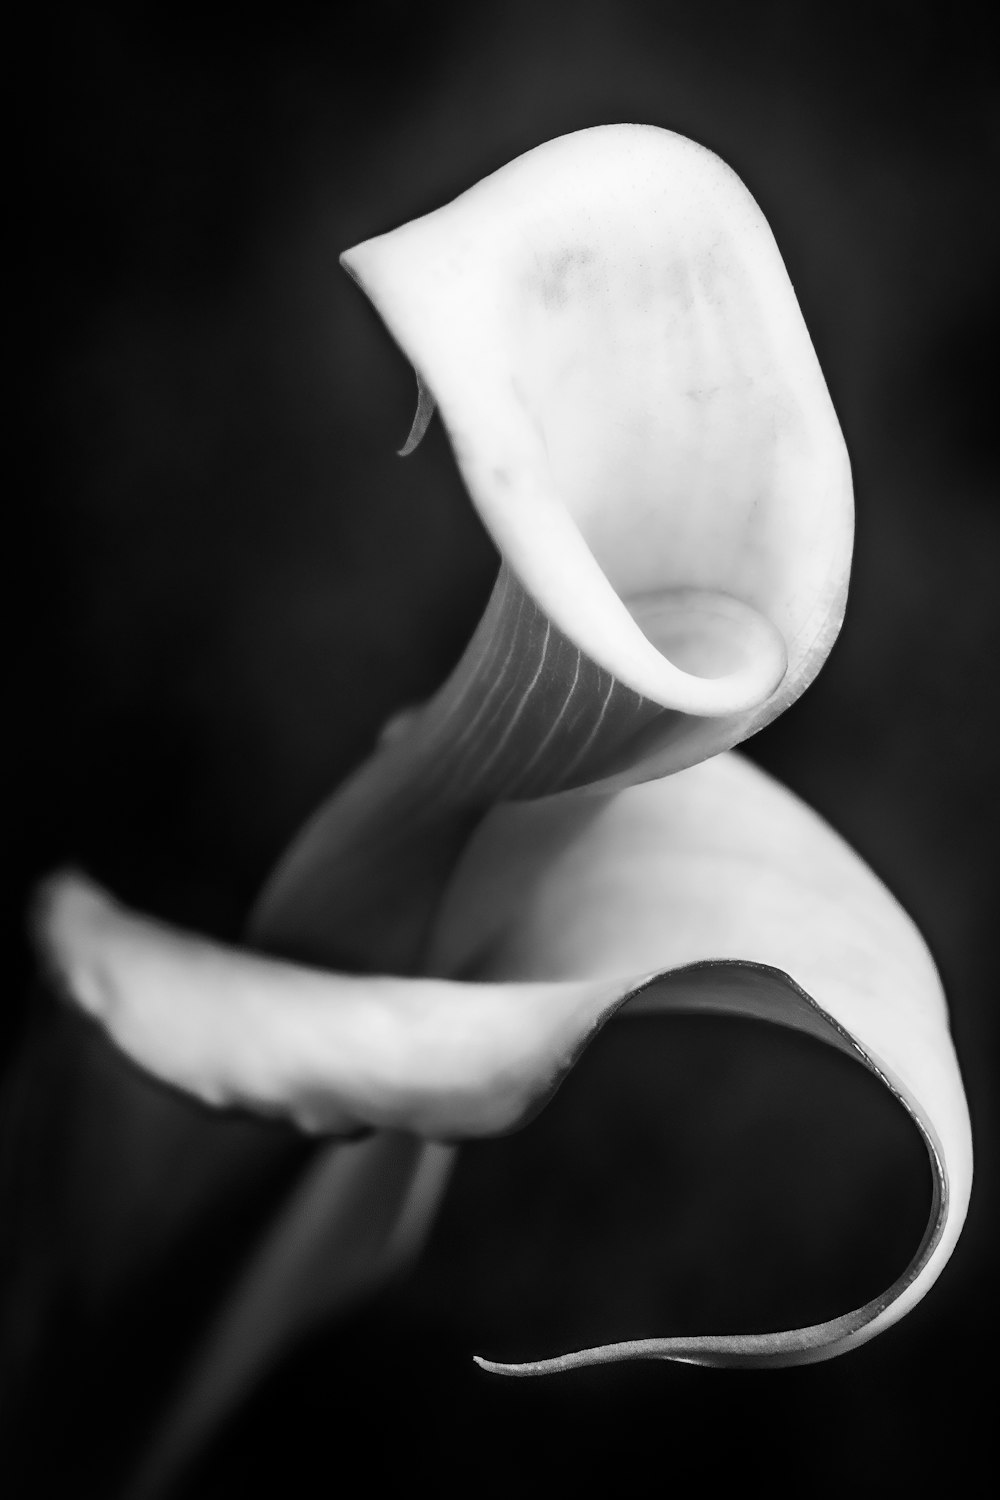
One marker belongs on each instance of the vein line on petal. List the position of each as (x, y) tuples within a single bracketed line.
[(519, 710), (468, 733), (575, 760), (546, 739)]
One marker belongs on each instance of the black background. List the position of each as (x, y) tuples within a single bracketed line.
[(234, 581)]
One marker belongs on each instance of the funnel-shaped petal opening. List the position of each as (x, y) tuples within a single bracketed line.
[(610, 335), (617, 353)]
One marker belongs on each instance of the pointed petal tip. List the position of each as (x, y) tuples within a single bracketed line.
[(421, 420), (764, 1351), (346, 262), (556, 1366), (563, 1364)]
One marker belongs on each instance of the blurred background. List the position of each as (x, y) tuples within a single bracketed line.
[(235, 582)]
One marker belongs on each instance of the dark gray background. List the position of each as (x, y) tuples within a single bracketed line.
[(235, 581)]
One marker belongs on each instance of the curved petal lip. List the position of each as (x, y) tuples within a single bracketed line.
[(754, 990), (609, 463), (719, 860)]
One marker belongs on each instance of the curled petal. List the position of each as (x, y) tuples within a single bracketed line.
[(620, 362), (711, 891), (753, 907), (421, 420)]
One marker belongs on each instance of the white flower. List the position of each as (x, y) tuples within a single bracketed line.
[(609, 335)]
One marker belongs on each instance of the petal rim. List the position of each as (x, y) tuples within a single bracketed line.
[(810, 1344)]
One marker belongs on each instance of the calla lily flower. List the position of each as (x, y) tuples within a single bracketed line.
[(562, 834)]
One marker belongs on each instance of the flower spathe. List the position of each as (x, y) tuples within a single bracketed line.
[(613, 343), (609, 335)]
